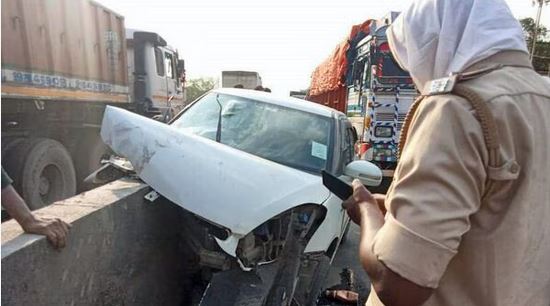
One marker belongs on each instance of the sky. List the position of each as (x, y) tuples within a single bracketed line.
[(283, 40)]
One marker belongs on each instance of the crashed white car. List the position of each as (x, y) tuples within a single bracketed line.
[(247, 165)]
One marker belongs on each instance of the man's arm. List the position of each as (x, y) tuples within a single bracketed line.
[(390, 287), (55, 230)]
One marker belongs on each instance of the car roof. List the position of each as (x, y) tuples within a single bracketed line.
[(290, 102)]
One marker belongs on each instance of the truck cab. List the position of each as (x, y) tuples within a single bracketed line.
[(156, 75), (381, 93)]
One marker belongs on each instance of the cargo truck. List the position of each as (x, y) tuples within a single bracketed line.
[(62, 63), (248, 79), (382, 93), (363, 79)]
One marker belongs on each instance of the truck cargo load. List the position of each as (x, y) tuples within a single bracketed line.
[(50, 54), (328, 80)]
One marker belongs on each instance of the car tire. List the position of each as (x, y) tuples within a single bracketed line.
[(47, 174)]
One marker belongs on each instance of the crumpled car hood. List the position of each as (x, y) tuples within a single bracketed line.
[(226, 186)]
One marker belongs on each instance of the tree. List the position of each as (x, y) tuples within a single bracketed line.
[(541, 56), (528, 25), (197, 87)]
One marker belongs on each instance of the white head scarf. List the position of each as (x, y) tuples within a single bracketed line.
[(434, 38)]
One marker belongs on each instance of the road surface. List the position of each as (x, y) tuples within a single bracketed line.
[(347, 257)]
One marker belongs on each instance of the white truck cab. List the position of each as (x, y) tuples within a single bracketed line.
[(156, 74)]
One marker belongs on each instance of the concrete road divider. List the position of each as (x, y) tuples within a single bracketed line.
[(121, 250)]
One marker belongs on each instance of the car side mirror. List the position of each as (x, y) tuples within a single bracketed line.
[(368, 173)]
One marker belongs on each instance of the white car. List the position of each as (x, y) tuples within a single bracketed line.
[(247, 166)]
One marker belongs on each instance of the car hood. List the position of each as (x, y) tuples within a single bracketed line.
[(223, 185)]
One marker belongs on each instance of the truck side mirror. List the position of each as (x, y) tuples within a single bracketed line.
[(368, 173), (181, 67)]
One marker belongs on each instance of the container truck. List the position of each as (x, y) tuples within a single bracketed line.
[(62, 63), (370, 86), (248, 79)]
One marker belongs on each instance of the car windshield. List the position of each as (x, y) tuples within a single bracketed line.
[(284, 135)]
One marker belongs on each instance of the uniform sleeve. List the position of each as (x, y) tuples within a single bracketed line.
[(437, 186)]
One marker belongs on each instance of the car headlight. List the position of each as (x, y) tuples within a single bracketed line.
[(383, 131)]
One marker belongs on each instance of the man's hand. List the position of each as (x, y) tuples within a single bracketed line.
[(362, 201), (56, 230)]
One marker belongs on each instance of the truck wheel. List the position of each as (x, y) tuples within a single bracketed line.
[(14, 155), (91, 150), (9, 143), (47, 174)]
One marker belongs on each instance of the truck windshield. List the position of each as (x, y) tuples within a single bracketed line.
[(286, 136), (391, 71)]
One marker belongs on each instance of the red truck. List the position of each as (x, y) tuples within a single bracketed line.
[(362, 79)]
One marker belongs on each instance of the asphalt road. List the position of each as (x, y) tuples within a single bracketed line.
[(347, 257)]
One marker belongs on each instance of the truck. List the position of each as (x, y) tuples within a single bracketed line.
[(248, 79), (368, 84), (63, 62)]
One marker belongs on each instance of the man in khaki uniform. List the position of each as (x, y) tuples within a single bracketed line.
[(465, 224)]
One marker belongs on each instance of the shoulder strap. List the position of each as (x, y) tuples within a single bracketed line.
[(483, 114)]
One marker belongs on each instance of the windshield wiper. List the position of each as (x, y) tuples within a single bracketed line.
[(219, 129)]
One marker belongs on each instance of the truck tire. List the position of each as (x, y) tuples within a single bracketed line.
[(14, 155), (9, 143), (47, 174), (91, 150)]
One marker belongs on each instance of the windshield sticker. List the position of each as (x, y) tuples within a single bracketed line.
[(318, 150)]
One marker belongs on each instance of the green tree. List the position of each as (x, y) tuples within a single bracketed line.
[(528, 25), (197, 87), (541, 57)]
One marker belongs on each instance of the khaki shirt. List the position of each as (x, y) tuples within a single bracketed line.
[(437, 232)]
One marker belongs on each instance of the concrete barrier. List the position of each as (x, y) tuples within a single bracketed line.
[(122, 250)]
